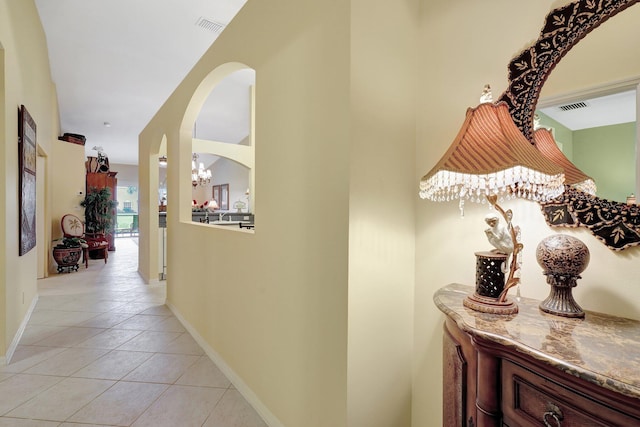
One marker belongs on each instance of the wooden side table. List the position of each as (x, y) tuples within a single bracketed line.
[(536, 369)]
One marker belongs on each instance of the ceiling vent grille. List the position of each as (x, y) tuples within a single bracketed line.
[(214, 27), (574, 106)]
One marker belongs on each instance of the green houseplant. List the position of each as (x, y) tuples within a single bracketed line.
[(69, 242), (99, 215), (67, 252), (98, 211)]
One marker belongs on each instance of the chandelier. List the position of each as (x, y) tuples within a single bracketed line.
[(198, 175)]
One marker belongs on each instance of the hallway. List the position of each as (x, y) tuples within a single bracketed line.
[(102, 349)]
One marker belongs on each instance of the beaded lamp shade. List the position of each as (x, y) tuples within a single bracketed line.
[(490, 156), (546, 144)]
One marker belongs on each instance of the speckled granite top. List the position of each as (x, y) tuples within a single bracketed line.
[(601, 349)]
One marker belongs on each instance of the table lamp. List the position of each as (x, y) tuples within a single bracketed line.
[(491, 158)]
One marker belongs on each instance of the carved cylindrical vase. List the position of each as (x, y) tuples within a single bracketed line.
[(562, 258), (490, 283), (489, 273)]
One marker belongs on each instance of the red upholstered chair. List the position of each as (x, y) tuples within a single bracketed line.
[(72, 226)]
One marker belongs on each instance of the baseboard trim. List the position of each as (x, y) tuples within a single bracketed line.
[(238, 383), (16, 338), (149, 280)]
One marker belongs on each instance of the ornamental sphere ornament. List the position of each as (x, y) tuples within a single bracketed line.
[(562, 259)]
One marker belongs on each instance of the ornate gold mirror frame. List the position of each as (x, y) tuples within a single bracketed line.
[(616, 224)]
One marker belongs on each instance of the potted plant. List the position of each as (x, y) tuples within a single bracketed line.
[(98, 211), (67, 253), (99, 215)]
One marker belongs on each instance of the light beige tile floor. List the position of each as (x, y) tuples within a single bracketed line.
[(102, 349)]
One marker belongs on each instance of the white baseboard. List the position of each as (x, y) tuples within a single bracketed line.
[(149, 280), (241, 386), (16, 339)]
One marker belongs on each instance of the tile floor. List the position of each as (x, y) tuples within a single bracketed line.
[(102, 349)]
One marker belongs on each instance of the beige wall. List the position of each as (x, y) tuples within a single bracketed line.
[(127, 174), (313, 312), (25, 71), (381, 212), (463, 46), (273, 304), (68, 179)]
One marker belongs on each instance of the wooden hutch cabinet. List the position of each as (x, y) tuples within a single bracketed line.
[(534, 369), (101, 180)]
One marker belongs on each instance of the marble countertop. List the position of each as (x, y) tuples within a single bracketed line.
[(600, 348)]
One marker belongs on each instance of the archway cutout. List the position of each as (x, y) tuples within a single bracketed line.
[(221, 117)]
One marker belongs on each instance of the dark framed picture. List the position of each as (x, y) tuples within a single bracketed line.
[(27, 180)]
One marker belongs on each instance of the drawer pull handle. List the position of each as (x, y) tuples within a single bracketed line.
[(553, 414)]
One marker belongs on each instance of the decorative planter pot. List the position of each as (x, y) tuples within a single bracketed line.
[(67, 258)]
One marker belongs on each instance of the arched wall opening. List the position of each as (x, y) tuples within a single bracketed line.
[(163, 196), (221, 118), (152, 237)]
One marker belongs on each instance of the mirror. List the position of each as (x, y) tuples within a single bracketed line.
[(616, 224)]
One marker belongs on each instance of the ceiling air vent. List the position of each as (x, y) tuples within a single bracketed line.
[(574, 106), (214, 27)]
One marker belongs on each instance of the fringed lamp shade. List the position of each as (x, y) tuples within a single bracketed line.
[(490, 156), (546, 144)]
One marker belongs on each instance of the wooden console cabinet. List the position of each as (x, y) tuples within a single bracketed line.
[(534, 369)]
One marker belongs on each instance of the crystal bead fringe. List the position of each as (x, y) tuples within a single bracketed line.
[(520, 181)]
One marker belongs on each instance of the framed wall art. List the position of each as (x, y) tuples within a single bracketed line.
[(27, 180), (221, 195), (216, 193), (224, 196)]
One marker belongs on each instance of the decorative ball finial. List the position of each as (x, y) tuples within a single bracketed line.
[(562, 259), (486, 96)]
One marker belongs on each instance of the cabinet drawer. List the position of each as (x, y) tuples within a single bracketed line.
[(529, 399)]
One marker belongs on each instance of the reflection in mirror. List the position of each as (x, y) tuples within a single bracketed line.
[(598, 135), (573, 176), (599, 69)]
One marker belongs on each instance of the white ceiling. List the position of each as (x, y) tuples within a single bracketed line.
[(117, 62), (601, 111)]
